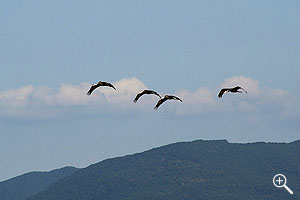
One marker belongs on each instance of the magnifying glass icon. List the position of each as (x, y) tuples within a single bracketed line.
[(279, 181)]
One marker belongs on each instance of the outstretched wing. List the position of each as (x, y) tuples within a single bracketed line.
[(153, 92), (243, 89), (222, 92), (108, 84), (138, 96), (92, 89), (160, 102), (175, 98)]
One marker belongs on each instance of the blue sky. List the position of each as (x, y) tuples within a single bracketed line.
[(51, 51)]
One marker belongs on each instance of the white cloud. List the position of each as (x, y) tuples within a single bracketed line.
[(15, 102), (196, 102), (16, 97), (29, 100), (277, 103), (36, 101), (126, 91), (260, 100)]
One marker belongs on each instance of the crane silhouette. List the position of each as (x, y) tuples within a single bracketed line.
[(100, 83), (232, 90)]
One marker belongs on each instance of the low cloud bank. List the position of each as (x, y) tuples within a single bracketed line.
[(37, 101)]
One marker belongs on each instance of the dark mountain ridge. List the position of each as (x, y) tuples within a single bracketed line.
[(26, 185), (187, 170)]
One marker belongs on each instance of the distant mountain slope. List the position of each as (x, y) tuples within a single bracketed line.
[(198, 170), (21, 187)]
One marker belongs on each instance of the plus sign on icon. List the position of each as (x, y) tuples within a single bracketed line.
[(280, 180)]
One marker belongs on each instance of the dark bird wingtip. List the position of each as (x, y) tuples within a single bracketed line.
[(179, 99)]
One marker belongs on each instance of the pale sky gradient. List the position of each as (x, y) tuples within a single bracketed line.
[(52, 51)]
